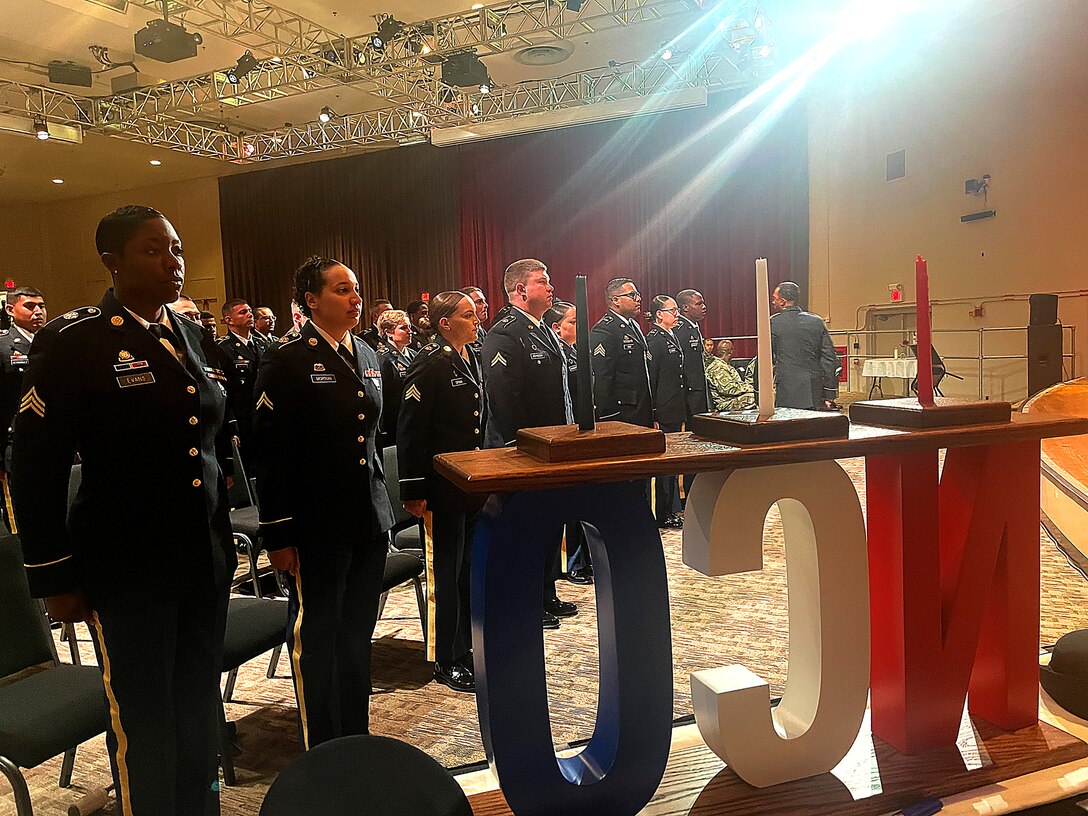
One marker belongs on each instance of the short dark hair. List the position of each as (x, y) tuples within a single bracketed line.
[(204, 315), (116, 229), (228, 307), (685, 296), (23, 292), (468, 290), (556, 312), (414, 306), (310, 277), (444, 305), (615, 285), (377, 306), (789, 291)]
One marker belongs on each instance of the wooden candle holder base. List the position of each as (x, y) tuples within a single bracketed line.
[(567, 443), (945, 412), (785, 425)]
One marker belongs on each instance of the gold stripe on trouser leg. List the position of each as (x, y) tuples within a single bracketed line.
[(653, 497), (7, 502), (428, 557), (115, 719), (296, 662), (563, 552)]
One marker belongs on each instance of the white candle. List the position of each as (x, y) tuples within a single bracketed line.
[(765, 368)]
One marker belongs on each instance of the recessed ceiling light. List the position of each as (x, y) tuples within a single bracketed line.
[(477, 6), (154, 162), (58, 181)]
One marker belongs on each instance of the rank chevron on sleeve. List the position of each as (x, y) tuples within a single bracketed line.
[(413, 393), (599, 351), (264, 401), (32, 402), (498, 359)]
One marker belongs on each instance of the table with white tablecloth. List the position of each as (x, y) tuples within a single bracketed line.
[(905, 368)]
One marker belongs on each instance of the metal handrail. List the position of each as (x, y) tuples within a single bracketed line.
[(852, 339)]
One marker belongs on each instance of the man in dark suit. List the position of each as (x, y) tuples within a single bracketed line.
[(26, 310), (324, 506), (621, 379), (479, 301), (144, 554), (688, 333), (372, 335), (525, 377), (805, 363), (239, 355)]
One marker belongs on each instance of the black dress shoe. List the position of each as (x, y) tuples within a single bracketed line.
[(550, 621), (456, 676), (580, 576), (561, 609)]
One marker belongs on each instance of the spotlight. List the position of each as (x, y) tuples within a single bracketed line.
[(388, 28), (475, 109), (464, 69), (246, 64), (58, 181), (41, 128), (155, 163), (574, 5), (326, 115), (666, 54)]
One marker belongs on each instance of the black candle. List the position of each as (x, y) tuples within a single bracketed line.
[(583, 411)]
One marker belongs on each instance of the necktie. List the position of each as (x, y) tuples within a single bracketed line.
[(166, 336), (349, 358)]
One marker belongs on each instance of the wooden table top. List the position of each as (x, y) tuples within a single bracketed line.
[(502, 470)]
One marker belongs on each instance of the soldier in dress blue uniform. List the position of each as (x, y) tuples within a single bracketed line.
[(372, 334), (26, 310), (525, 375), (668, 386), (394, 356), (239, 356), (145, 554), (618, 351), (692, 313), (324, 507), (562, 318), (264, 326), (479, 300), (444, 409)]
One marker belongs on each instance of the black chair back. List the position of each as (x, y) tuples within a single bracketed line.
[(24, 637), (401, 517)]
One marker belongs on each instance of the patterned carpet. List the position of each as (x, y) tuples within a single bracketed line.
[(715, 621)]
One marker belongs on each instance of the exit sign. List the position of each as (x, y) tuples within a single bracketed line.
[(896, 290)]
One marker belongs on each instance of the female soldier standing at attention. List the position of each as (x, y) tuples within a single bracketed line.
[(670, 400), (145, 554), (394, 333), (444, 410), (324, 507)]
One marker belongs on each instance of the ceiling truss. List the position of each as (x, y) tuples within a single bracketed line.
[(298, 56)]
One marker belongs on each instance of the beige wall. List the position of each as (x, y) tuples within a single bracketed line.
[(52, 246), (1005, 97)]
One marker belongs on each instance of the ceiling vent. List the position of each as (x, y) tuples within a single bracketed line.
[(550, 54)]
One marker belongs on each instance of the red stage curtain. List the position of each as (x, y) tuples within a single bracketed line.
[(591, 200)]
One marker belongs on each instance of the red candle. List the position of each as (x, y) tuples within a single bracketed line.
[(925, 339)]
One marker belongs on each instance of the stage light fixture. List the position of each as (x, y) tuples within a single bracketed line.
[(574, 5), (246, 64), (475, 109), (326, 115), (464, 69), (666, 54), (41, 127), (388, 28)]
